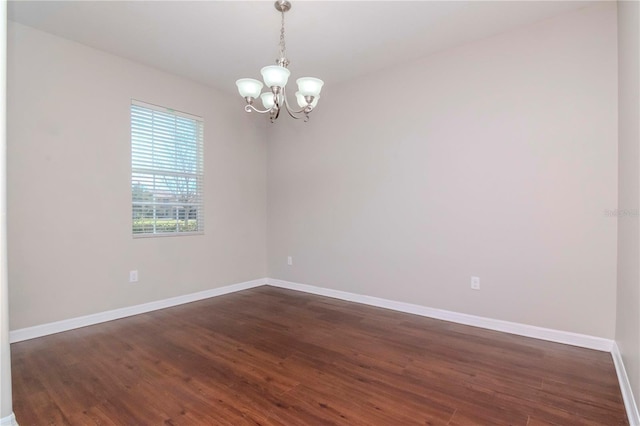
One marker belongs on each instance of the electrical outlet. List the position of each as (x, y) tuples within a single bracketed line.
[(133, 276), (475, 283), (289, 260)]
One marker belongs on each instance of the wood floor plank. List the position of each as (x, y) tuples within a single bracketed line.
[(269, 356)]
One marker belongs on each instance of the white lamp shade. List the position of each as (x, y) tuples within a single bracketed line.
[(249, 87), (309, 86), (275, 75), (303, 103), (267, 99)]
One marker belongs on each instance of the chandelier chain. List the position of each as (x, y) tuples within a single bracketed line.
[(282, 43)]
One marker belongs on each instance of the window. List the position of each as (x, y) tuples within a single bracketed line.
[(166, 171)]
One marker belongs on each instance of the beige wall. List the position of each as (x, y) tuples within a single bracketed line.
[(628, 310), (6, 408), (69, 218), (496, 159)]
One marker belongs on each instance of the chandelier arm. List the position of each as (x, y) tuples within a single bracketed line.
[(291, 114), (306, 110), (250, 108)]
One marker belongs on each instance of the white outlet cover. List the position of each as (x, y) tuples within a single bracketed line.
[(475, 283)]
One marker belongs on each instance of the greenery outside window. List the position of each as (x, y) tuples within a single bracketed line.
[(166, 171)]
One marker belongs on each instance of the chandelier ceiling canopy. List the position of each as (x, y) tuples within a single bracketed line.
[(275, 77)]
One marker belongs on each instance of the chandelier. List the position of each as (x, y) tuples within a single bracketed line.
[(275, 77)]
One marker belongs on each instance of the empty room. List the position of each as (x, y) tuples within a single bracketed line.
[(320, 212)]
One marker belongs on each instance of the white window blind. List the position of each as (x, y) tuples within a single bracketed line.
[(166, 171)]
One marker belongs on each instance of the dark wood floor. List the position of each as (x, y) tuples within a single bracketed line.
[(269, 356)]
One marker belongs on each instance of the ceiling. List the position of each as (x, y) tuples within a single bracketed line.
[(217, 42)]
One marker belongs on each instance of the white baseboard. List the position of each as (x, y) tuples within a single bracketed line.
[(566, 337), (9, 420), (72, 323), (625, 387)]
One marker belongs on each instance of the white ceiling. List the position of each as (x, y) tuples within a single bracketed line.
[(217, 42)]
